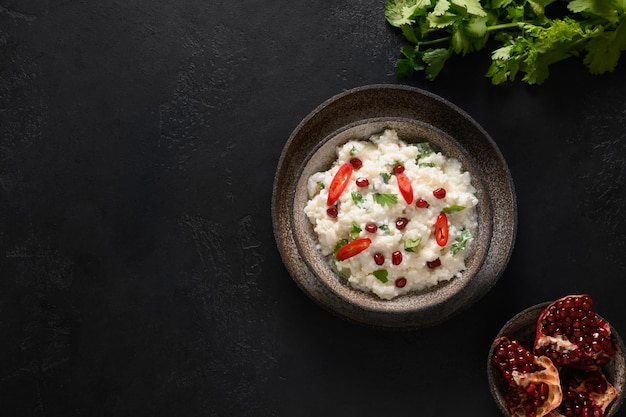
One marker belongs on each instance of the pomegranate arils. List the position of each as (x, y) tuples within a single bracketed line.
[(362, 182), (356, 163), (531, 383), (434, 264), (571, 334), (585, 393), (401, 223), (400, 282), (396, 257), (371, 227), (398, 169), (421, 203), (379, 259), (332, 211), (439, 193)]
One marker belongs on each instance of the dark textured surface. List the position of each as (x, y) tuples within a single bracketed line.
[(139, 273)]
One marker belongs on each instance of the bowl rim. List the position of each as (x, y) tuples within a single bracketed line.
[(399, 101)]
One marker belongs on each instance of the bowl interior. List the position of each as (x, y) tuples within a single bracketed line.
[(411, 131), (522, 327)]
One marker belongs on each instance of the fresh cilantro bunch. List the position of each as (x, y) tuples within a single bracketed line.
[(526, 36)]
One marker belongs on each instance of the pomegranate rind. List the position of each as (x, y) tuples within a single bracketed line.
[(559, 347), (548, 375)]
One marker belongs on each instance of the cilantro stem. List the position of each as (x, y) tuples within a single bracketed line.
[(504, 26), (434, 41)]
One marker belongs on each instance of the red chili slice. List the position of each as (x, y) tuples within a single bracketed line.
[(353, 248), (405, 187), (339, 183), (441, 229)]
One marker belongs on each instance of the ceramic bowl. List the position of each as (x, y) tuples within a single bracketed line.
[(416, 115), (522, 327)]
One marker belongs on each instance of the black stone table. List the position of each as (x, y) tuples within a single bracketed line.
[(139, 274)]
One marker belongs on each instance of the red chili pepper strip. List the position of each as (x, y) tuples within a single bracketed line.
[(339, 183), (441, 229), (353, 248), (405, 187)]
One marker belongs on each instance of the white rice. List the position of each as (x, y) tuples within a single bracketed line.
[(379, 155)]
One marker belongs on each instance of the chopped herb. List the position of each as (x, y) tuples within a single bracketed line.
[(381, 275), (385, 177), (384, 228), (385, 199), (523, 37), (460, 241), (358, 199), (339, 245), (353, 150), (411, 244), (423, 149), (453, 208), (355, 230), (426, 165), (321, 185)]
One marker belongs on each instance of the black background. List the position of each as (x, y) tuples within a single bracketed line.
[(139, 272)]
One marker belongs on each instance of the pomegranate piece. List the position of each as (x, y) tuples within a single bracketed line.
[(571, 334), (531, 383), (585, 393)]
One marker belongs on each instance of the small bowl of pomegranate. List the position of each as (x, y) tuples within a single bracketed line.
[(393, 208), (558, 358)]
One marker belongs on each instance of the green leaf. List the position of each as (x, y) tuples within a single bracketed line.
[(452, 208), (385, 199), (404, 12), (441, 7), (385, 177), (358, 199), (601, 8), (411, 244), (473, 7), (355, 230), (341, 243), (460, 242), (435, 60), (381, 275)]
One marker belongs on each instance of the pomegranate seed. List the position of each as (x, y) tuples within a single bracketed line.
[(401, 222), (371, 227), (400, 282), (396, 257), (356, 163), (362, 182), (439, 193), (434, 264), (398, 169), (421, 203), (379, 258), (332, 211)]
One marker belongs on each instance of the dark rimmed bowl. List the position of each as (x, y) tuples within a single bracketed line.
[(416, 114), (523, 326)]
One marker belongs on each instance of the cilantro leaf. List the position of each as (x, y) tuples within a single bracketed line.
[(381, 275), (355, 230), (460, 242), (526, 38), (385, 199), (358, 199), (452, 208), (411, 244)]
